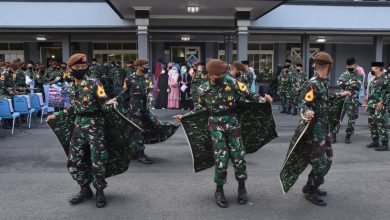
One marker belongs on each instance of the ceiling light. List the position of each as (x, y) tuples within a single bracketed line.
[(192, 9), (321, 40), (40, 38), (53, 56), (185, 37)]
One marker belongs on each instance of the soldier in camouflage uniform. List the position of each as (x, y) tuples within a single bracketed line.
[(315, 110), (136, 88), (351, 81), (94, 70), (88, 99), (219, 95), (300, 81), (119, 75), (198, 78), (376, 107), (247, 76), (129, 68), (2, 79), (9, 80), (285, 90), (53, 73), (39, 79)]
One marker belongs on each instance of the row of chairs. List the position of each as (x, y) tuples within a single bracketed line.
[(20, 107)]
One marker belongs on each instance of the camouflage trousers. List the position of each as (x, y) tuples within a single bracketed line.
[(321, 153), (87, 155), (377, 122), (351, 109), (228, 145), (137, 141), (285, 99), (296, 100)]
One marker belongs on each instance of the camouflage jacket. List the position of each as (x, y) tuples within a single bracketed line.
[(87, 97), (285, 81), (300, 80), (119, 76), (351, 82), (129, 71), (135, 91), (200, 77), (247, 78), (94, 72), (20, 80), (378, 91), (51, 74), (221, 101)]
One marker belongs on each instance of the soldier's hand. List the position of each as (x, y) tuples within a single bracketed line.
[(50, 117), (309, 116), (379, 106), (178, 117), (345, 93), (268, 98)]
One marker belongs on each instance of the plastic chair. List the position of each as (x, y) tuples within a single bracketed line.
[(5, 113), (36, 104), (21, 106)]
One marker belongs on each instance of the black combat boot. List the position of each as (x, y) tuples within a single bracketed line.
[(100, 199), (288, 111), (242, 194), (334, 139), (143, 158), (295, 111), (314, 198), (374, 144), (319, 191), (383, 147), (84, 194), (220, 198), (348, 139), (283, 110)]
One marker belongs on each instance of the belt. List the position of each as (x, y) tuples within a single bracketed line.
[(88, 114)]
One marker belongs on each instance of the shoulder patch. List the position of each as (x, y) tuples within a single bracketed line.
[(309, 97), (100, 92), (242, 86)]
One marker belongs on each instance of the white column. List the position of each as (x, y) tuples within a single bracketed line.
[(66, 48), (143, 39), (378, 41), (242, 39)]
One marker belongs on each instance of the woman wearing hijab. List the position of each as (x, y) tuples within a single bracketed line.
[(185, 84), (174, 89), (162, 90)]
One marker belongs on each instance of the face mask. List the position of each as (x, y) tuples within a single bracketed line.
[(351, 70), (146, 70), (219, 81), (238, 74), (298, 70), (79, 74), (373, 72), (287, 66), (30, 68), (64, 68)]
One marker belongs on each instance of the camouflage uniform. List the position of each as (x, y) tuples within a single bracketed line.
[(350, 82), (316, 99), (119, 76), (300, 81), (377, 118), (200, 78), (247, 78), (9, 83), (285, 89), (94, 72), (135, 91), (129, 71), (87, 102), (224, 125), (51, 74)]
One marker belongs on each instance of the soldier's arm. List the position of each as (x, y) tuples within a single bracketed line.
[(124, 95), (308, 98), (242, 91)]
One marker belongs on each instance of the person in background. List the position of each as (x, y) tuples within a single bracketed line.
[(174, 89), (162, 90), (185, 84)]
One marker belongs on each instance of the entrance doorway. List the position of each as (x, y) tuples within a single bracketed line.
[(50, 53), (185, 54)]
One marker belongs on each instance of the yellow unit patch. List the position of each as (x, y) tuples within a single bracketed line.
[(230, 98), (309, 97), (85, 89), (227, 88), (100, 92), (2, 78), (242, 86), (151, 85)]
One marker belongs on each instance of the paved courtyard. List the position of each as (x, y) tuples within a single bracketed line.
[(35, 184)]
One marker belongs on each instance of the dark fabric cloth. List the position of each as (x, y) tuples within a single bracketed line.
[(162, 95), (185, 97)]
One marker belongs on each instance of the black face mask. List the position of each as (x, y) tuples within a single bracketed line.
[(351, 70), (238, 74), (94, 64), (30, 68), (287, 66), (64, 68), (298, 70), (372, 72), (219, 81), (79, 74), (146, 70)]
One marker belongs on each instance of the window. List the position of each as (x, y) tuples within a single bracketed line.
[(11, 51), (114, 52)]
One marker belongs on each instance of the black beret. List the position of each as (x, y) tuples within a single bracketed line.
[(351, 61), (245, 62), (377, 64)]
